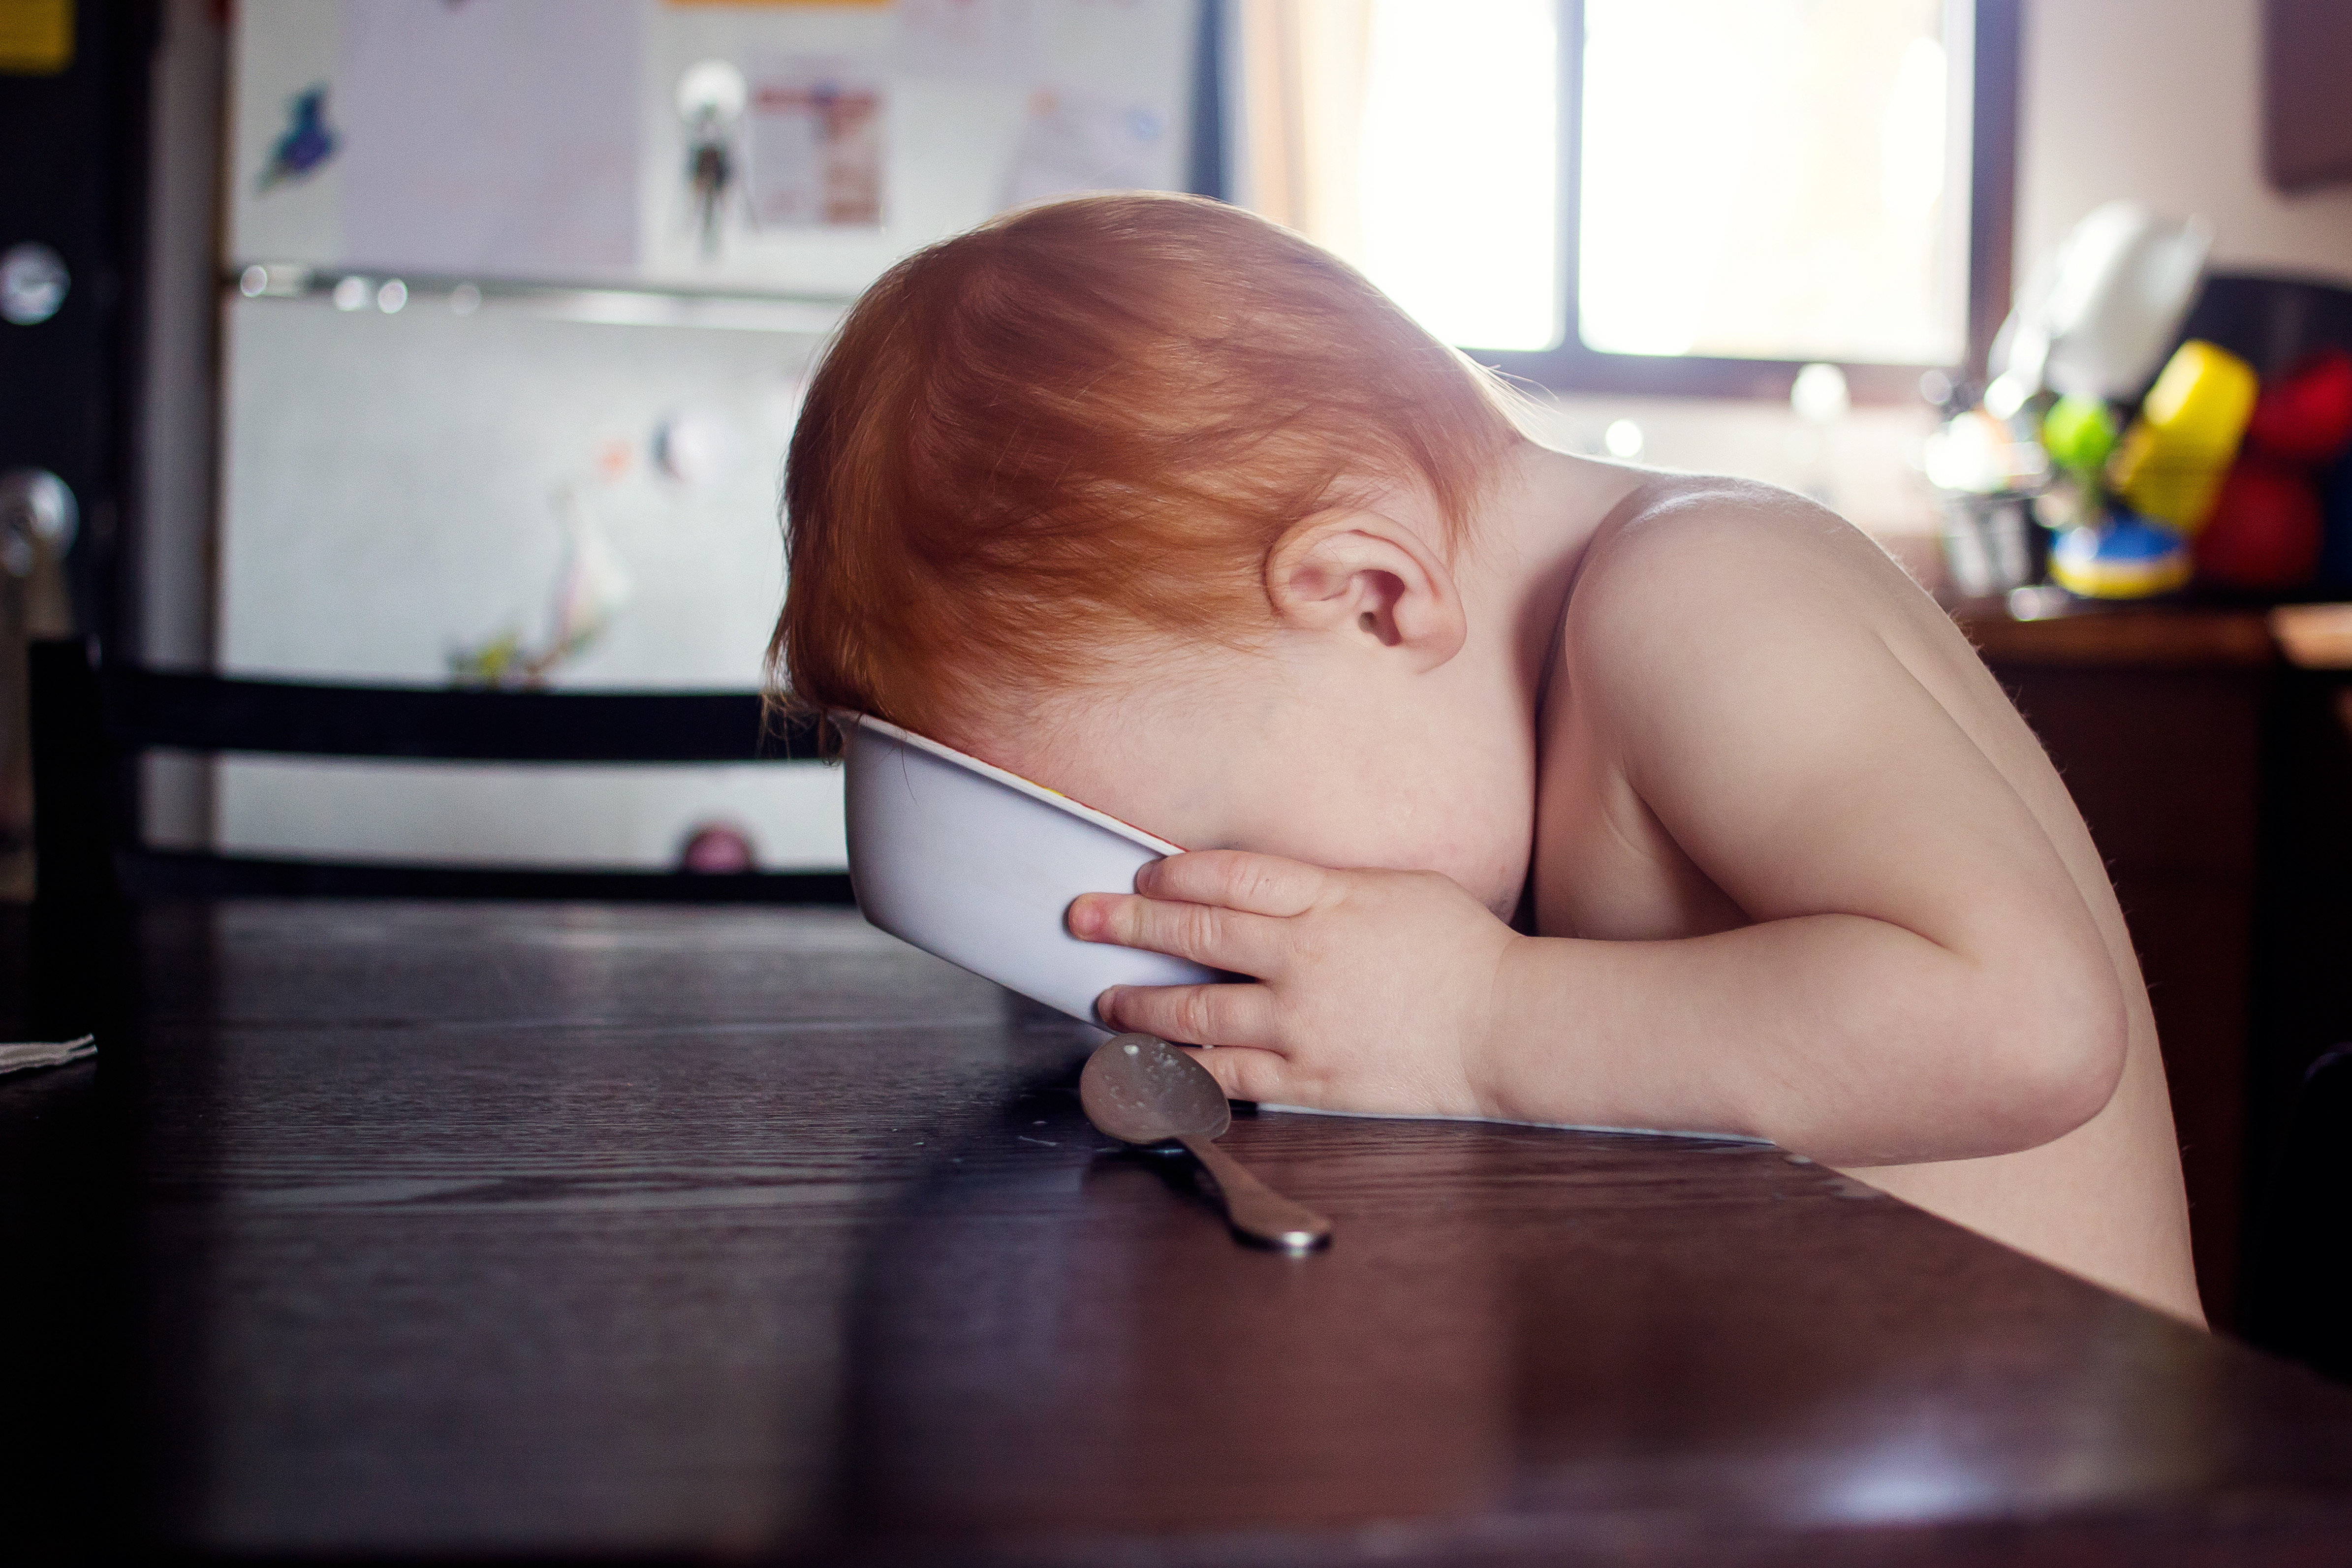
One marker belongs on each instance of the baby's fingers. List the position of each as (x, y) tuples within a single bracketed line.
[(1245, 1074), (1222, 938), (1236, 1013), (1236, 879)]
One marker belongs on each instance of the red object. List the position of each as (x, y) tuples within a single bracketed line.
[(2306, 416), (2265, 528)]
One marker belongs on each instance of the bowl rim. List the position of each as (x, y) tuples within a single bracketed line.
[(1034, 791)]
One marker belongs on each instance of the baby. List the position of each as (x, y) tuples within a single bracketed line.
[(1526, 785)]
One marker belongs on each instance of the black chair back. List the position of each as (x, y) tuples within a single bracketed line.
[(92, 722)]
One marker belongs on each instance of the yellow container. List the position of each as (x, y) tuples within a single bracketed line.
[(36, 37), (2171, 461)]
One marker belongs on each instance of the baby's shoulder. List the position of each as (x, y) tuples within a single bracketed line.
[(1683, 534), (1693, 587), (1696, 559)]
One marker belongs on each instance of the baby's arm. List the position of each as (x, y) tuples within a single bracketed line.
[(1922, 980)]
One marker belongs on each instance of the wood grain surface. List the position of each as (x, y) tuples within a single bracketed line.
[(405, 1230), (2128, 636)]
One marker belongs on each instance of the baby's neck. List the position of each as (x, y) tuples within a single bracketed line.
[(1526, 543)]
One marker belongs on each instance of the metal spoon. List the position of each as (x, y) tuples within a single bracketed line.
[(1140, 1090)]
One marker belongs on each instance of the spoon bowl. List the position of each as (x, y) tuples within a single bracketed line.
[(1139, 1089)]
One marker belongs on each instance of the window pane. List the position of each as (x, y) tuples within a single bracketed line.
[(1459, 173), (1776, 178)]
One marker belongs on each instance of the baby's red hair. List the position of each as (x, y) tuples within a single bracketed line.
[(1075, 433)]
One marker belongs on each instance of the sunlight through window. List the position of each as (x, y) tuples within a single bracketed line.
[(1774, 179), (1459, 181), (1778, 180)]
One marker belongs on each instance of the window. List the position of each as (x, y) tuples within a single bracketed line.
[(1653, 196)]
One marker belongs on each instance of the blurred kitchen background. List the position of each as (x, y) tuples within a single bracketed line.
[(458, 341), (428, 340)]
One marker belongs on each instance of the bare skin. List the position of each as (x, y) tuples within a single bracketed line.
[(1798, 870)]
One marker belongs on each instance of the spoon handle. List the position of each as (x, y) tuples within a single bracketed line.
[(1256, 1210)]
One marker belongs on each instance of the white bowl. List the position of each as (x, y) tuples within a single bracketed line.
[(979, 866)]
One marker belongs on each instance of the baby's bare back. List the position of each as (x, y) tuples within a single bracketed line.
[(1714, 624)]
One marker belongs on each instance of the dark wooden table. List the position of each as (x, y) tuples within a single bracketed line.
[(401, 1230)]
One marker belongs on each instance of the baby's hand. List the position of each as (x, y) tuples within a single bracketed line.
[(1377, 988)]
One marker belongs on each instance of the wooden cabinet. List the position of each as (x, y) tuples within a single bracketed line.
[(2156, 719), (2307, 135)]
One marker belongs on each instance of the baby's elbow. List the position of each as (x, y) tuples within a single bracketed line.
[(2059, 1035)]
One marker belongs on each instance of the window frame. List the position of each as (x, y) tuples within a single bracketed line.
[(1572, 367)]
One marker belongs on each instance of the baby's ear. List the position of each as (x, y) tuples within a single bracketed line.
[(1364, 576)]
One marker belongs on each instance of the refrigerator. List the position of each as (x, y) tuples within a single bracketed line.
[(518, 298)]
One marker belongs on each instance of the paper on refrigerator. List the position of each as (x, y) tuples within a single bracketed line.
[(1075, 140), (815, 146), (497, 137)]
